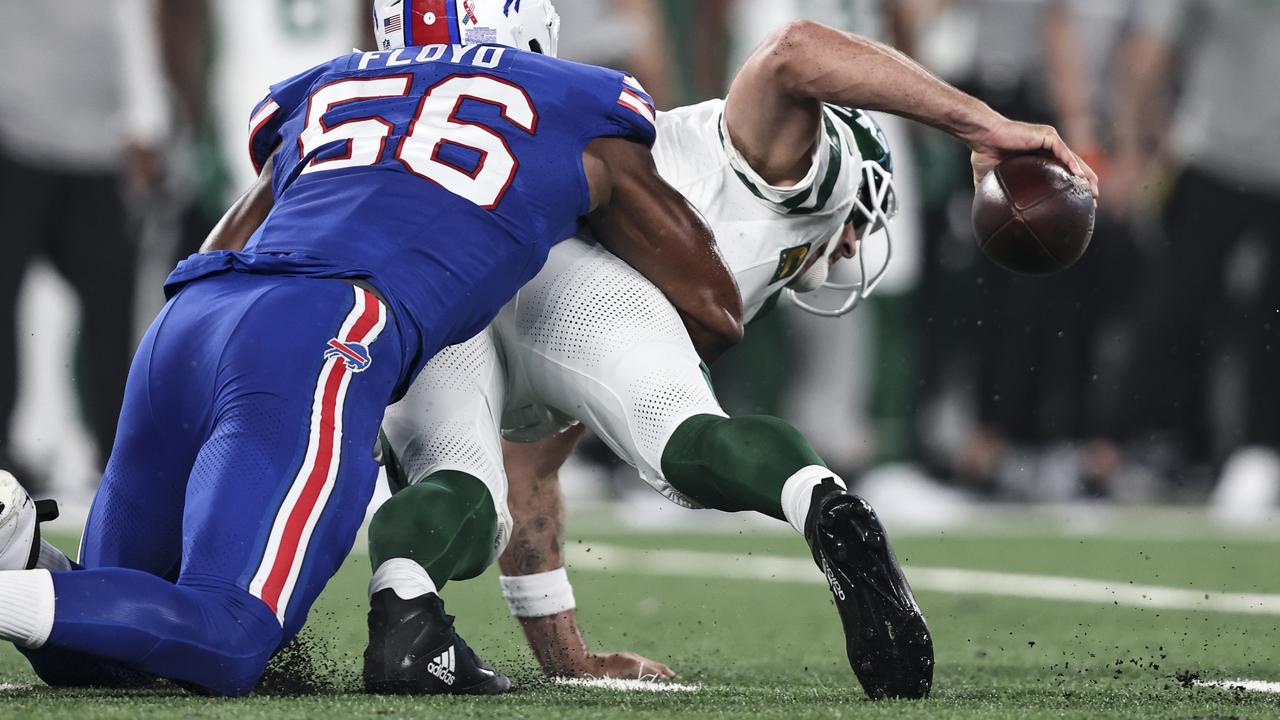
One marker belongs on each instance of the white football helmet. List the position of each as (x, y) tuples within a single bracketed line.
[(524, 24), (874, 207)]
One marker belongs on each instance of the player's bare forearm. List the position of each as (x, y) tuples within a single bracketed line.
[(557, 644), (245, 215), (536, 537), (647, 223), (805, 63), (773, 107), (536, 547), (561, 652), (534, 500)]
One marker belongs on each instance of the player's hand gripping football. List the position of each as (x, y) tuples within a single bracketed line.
[(1006, 138)]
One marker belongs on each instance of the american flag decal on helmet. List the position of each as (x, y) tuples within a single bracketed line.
[(635, 98), (392, 24)]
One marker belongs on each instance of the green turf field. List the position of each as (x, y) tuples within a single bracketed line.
[(770, 648)]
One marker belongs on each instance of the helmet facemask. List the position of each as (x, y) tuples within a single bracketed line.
[(875, 204)]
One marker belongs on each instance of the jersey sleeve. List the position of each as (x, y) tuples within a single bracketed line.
[(633, 115), (270, 114), (829, 186), (264, 131)]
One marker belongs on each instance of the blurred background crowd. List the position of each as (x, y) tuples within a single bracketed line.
[(1149, 373)]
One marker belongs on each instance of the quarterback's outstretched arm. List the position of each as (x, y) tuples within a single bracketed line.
[(773, 115), (536, 547), (773, 107)]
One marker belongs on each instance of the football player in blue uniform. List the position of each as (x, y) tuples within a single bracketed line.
[(415, 189)]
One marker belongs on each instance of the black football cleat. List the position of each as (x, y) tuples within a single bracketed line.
[(886, 637), (414, 650)]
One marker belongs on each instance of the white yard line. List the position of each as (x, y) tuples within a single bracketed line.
[(684, 563), (1254, 685), (626, 685)]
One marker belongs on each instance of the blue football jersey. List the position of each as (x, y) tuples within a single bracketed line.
[(440, 174)]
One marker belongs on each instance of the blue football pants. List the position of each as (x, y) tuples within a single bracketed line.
[(241, 472)]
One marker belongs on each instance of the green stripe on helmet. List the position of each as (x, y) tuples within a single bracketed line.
[(873, 145)]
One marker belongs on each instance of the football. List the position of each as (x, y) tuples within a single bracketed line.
[(1032, 216)]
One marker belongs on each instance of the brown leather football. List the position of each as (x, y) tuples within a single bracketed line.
[(1032, 216)]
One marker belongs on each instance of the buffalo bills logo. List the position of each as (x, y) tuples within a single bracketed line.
[(354, 355)]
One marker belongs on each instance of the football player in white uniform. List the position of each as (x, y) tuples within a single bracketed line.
[(789, 177)]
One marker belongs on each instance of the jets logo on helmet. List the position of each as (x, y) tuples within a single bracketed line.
[(873, 208), (524, 24)]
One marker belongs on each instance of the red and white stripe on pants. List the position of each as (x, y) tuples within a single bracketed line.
[(309, 492)]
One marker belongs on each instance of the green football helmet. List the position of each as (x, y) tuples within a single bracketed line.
[(875, 205)]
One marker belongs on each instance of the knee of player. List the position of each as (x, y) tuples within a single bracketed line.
[(427, 507), (242, 634), (243, 666), (737, 436)]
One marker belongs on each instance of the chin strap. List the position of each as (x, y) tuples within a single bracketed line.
[(883, 206)]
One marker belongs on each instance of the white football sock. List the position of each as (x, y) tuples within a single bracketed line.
[(51, 558), (797, 493), (404, 576), (26, 607)]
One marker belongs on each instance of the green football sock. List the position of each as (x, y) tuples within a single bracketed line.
[(736, 464), (446, 524)]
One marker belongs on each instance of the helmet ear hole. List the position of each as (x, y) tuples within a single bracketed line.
[(536, 46)]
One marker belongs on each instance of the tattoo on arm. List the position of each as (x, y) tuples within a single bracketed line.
[(534, 500)]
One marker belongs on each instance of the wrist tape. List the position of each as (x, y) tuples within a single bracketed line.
[(538, 595)]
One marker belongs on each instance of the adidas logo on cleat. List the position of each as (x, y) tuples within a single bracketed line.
[(831, 579), (443, 666)]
